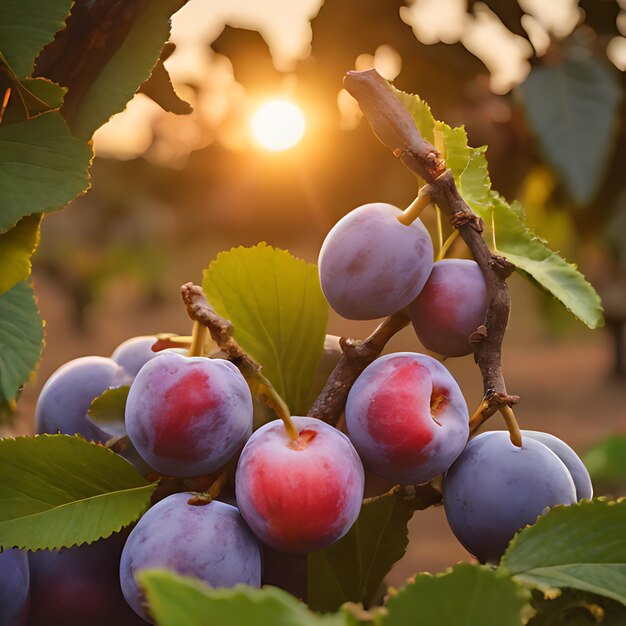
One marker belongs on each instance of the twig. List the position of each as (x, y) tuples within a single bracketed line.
[(394, 126)]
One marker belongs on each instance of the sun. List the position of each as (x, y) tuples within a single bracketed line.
[(278, 125)]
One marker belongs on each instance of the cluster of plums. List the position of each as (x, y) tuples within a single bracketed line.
[(406, 421)]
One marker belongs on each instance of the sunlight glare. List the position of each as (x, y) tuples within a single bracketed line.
[(278, 125)]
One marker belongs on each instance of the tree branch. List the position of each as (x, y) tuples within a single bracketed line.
[(394, 126)]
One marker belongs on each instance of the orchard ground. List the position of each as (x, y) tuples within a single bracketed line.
[(564, 382)]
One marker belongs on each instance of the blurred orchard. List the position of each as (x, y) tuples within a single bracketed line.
[(169, 191)]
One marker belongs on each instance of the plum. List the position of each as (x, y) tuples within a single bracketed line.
[(302, 495), (210, 542), (371, 265), (14, 587), (187, 416), (67, 395), (450, 307), (495, 489), (407, 418), (80, 585), (577, 469), (134, 353)]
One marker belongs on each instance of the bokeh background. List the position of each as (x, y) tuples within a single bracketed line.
[(169, 191)]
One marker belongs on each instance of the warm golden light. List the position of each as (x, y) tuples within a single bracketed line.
[(278, 125)]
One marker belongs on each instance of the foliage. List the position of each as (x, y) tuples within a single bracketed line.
[(279, 312), (58, 491), (107, 411)]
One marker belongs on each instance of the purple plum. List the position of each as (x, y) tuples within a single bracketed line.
[(450, 307), (371, 265), (134, 353), (407, 418), (210, 542), (14, 587)]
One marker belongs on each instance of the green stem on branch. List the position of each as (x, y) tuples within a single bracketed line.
[(511, 423), (198, 338), (446, 246), (414, 210), (439, 233)]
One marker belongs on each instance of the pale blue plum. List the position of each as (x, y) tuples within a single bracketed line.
[(302, 495), (210, 542), (14, 587), (450, 307), (371, 265), (407, 418), (577, 469), (494, 489), (188, 416), (80, 586), (134, 353), (67, 395)]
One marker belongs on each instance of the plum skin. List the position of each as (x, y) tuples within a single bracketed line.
[(371, 265), (67, 395), (407, 418), (450, 307), (210, 542), (79, 585), (299, 496), (134, 353), (187, 416), (14, 587), (495, 489)]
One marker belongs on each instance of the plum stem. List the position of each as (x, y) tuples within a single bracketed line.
[(212, 492), (476, 419), (443, 250), (198, 338), (269, 396), (511, 423), (414, 210), (439, 232)]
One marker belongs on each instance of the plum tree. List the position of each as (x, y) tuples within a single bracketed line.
[(79, 585), (210, 542), (14, 587), (407, 418), (495, 488), (187, 416), (372, 265), (65, 398), (302, 495), (450, 307), (134, 353)]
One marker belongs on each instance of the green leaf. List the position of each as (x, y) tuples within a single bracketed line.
[(582, 546), (21, 341), (16, 247), (26, 26), (182, 601), (353, 568), (420, 112), (279, 313), (533, 257), (606, 461), (573, 108), (58, 491), (576, 608), (129, 67), (108, 409), (468, 595), (42, 167)]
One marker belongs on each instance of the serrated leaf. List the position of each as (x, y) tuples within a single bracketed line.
[(533, 257), (16, 247), (582, 546), (420, 111), (573, 109), (513, 239), (352, 569), (182, 601), (21, 340), (42, 167), (26, 26), (108, 409), (469, 595), (279, 313), (58, 491), (129, 67), (606, 461)]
